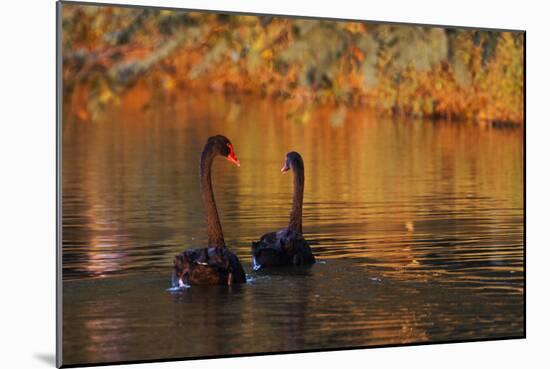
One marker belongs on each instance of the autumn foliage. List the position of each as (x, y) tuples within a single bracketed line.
[(112, 55)]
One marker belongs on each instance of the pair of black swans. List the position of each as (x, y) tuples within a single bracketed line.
[(216, 264)]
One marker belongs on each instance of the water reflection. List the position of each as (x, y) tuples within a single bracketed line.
[(334, 304), (420, 223)]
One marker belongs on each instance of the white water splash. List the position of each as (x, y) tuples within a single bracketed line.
[(255, 265), (182, 287)]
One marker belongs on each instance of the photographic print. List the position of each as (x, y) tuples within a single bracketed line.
[(244, 184)]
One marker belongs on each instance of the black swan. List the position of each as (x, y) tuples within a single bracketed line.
[(214, 264), (287, 246)]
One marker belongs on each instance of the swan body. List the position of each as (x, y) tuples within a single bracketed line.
[(209, 265), (284, 247), (214, 264), (287, 246)]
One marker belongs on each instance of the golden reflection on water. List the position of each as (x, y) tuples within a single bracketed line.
[(109, 320), (418, 226), (376, 188)]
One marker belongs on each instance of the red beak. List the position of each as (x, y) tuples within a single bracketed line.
[(231, 157), (234, 160)]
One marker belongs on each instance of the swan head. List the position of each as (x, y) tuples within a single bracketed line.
[(293, 160), (222, 146)]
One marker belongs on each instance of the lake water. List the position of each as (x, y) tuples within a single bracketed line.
[(418, 227)]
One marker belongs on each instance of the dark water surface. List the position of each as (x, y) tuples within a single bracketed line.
[(418, 226)]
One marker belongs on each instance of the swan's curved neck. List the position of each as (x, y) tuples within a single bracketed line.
[(295, 223), (214, 227)]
